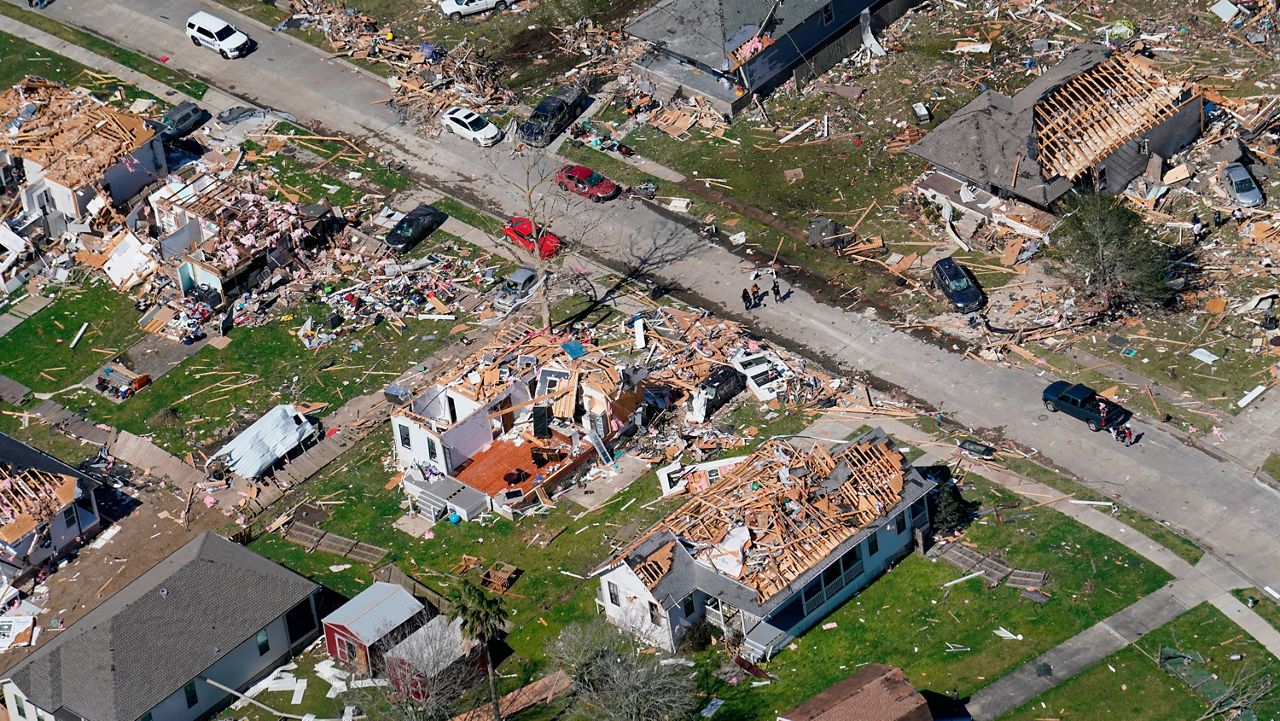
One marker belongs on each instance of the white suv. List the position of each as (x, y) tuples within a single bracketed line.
[(455, 9), (217, 34)]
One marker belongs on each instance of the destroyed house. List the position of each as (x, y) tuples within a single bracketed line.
[(1097, 118), (523, 412), (47, 509), (780, 540), (221, 237), (727, 50), (69, 146), (212, 616)]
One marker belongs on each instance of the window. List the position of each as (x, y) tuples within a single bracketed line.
[(655, 614), (264, 642), (873, 544), (828, 14), (190, 692), (69, 516), (404, 437), (687, 606), (831, 576), (146, 717), (20, 710), (613, 593), (900, 523), (432, 452)]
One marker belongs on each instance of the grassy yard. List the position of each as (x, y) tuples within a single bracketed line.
[(542, 601), (285, 371), (1130, 685), (1126, 686), (907, 619), (1267, 606), (42, 343), (1155, 530), (1272, 465), (94, 43)]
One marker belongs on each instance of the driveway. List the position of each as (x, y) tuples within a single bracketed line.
[(1233, 515)]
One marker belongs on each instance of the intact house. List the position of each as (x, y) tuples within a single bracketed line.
[(773, 545), (1097, 118), (875, 693), (725, 51), (212, 616), (360, 631), (47, 510), (67, 155)]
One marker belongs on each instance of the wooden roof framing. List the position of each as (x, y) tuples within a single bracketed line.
[(1092, 115), (30, 497), (796, 513)]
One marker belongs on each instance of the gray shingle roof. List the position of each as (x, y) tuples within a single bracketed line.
[(991, 136), (701, 29), (159, 632)]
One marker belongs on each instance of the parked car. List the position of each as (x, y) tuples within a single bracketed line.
[(522, 232), (1080, 401), (218, 35), (470, 125), (516, 290), (182, 120), (958, 284), (553, 115), (416, 225), (1241, 186), (456, 9), (586, 182)]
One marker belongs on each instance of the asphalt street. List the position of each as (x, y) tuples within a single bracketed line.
[(1236, 517)]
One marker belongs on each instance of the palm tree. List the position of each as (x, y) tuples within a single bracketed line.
[(483, 620)]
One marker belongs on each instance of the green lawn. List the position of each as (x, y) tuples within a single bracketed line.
[(1126, 686), (907, 619), (1186, 549), (1272, 465), (477, 219), (285, 371), (41, 344), (1267, 606), (94, 43)]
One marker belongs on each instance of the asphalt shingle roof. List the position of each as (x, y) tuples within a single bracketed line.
[(702, 29), (159, 632)]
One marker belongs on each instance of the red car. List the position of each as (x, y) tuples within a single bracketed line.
[(521, 232), (586, 182)]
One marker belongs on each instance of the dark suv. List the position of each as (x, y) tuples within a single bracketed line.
[(553, 115), (959, 285)]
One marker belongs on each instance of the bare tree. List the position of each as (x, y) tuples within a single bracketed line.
[(1246, 690), (614, 681), (426, 674)]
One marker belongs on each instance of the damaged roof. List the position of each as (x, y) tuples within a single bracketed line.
[(72, 136), (708, 30), (159, 632), (876, 693), (993, 136), (773, 521)]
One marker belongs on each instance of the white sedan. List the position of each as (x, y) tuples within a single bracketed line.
[(470, 125)]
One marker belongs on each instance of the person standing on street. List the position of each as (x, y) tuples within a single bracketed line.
[(1128, 435), (747, 299), (777, 290), (756, 296)]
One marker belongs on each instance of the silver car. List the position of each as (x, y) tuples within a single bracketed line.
[(1241, 186)]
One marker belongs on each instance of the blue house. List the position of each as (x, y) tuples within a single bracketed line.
[(728, 50)]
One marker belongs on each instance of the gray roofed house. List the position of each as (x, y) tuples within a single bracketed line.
[(211, 610), (996, 142), (694, 43)]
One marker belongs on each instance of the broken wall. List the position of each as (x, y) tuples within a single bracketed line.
[(1165, 140)]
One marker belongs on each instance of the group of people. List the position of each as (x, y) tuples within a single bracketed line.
[(753, 297), (1124, 434), (1198, 229)]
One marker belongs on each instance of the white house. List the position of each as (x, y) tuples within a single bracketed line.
[(214, 615), (777, 542), (47, 509), (70, 146)]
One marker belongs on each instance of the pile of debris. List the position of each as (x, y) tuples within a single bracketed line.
[(426, 79)]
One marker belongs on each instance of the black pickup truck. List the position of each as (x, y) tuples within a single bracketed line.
[(1080, 401)]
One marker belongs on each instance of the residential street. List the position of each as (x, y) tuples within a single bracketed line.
[(1217, 503)]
